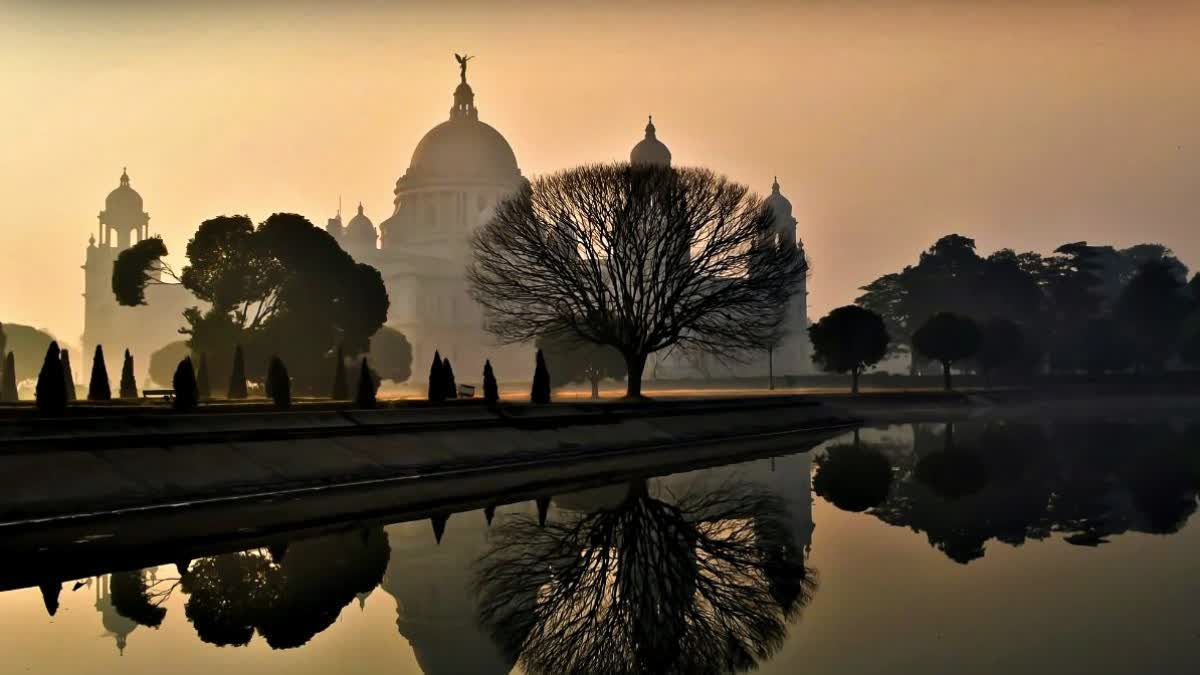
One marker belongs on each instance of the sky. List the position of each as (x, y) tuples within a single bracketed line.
[(1021, 124)]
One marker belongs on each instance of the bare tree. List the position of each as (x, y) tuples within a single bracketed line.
[(640, 258)]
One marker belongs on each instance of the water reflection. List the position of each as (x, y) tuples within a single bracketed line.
[(964, 484), (699, 582)]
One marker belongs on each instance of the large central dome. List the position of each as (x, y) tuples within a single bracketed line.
[(462, 149)]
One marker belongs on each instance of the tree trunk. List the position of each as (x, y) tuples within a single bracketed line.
[(854, 381), (595, 387), (634, 365), (946, 374)]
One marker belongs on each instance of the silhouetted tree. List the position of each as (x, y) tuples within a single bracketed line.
[(437, 379), (164, 361), (491, 390), (1106, 349), (128, 385), (340, 390), (391, 355), (365, 397), (699, 583), (1152, 308), (68, 375), (3, 345), (184, 383), (279, 384), (203, 385), (51, 386), (8, 388), (849, 339), (853, 477), (540, 391), (285, 288), (577, 360), (27, 342), (450, 386), (639, 258), (237, 379), (1189, 343), (51, 590), (98, 388), (887, 296), (947, 338), (132, 598), (1002, 344)]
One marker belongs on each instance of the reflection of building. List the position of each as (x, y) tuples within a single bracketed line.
[(459, 171), (792, 354), (141, 330), (115, 625), (435, 606)]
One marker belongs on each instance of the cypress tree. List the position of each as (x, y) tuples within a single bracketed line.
[(202, 386), (491, 391), (340, 390), (437, 381), (98, 389), (128, 385), (51, 387), (366, 387), (279, 385), (540, 393), (451, 389), (67, 374), (237, 379), (8, 388), (184, 383), (3, 342)]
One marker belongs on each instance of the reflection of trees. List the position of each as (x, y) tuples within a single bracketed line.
[(138, 595), (706, 583), (1019, 481), (852, 476), (287, 599)]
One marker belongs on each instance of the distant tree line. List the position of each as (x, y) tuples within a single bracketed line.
[(1083, 309)]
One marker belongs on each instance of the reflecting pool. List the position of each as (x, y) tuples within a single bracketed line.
[(984, 546)]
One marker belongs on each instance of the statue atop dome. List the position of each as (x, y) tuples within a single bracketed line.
[(462, 65)]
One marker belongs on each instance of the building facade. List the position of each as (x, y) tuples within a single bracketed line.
[(142, 330)]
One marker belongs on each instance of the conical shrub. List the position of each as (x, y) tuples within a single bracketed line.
[(365, 398), (51, 386), (202, 383), (68, 375), (184, 383), (279, 384), (451, 387), (341, 390), (237, 379), (128, 385), (491, 391), (8, 388), (437, 380), (98, 389), (540, 393)]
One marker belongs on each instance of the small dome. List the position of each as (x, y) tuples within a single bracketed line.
[(650, 150), (778, 203), (123, 206), (360, 229)]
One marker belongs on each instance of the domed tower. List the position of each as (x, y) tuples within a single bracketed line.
[(459, 171), (359, 237), (123, 214), (792, 357), (650, 150)]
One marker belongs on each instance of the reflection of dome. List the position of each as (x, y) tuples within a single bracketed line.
[(115, 625), (650, 150), (360, 230)]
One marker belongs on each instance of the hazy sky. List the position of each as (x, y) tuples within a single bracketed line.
[(1021, 124)]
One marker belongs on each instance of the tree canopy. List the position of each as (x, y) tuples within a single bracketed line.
[(849, 339), (638, 258), (948, 338), (284, 287)]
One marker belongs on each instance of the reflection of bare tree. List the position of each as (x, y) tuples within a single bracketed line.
[(138, 595), (288, 600), (705, 583)]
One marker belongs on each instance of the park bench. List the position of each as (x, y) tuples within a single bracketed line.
[(466, 391), (165, 394)]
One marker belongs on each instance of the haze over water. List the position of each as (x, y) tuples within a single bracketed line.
[(1023, 125)]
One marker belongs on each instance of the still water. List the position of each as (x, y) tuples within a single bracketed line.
[(977, 547)]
